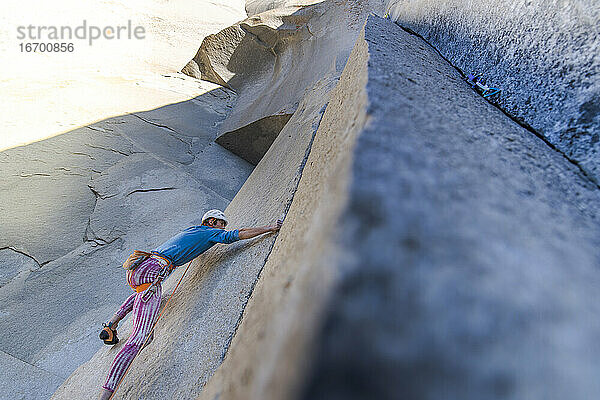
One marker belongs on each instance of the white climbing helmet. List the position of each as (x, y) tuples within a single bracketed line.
[(218, 214)]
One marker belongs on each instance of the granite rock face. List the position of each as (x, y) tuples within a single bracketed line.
[(542, 54), (473, 248)]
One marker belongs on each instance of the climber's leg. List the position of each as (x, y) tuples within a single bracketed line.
[(105, 394), (144, 315), (109, 333), (125, 308)]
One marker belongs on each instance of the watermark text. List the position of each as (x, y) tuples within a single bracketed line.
[(84, 31)]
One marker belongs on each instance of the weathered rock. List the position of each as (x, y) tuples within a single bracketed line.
[(472, 248), (25, 381), (36, 182), (272, 57), (14, 263), (251, 142), (47, 96), (465, 248), (130, 160), (543, 55), (254, 7)]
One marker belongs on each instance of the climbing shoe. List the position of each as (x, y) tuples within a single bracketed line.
[(108, 334)]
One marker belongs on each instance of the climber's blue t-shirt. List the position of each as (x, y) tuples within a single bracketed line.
[(194, 241)]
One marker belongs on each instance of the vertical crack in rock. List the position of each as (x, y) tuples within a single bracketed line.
[(88, 228), (286, 209), (89, 236), (515, 118), (98, 195), (472, 218), (548, 76)]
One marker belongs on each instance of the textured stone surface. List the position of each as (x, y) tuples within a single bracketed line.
[(542, 54), (473, 248), (14, 263), (24, 381), (254, 7), (206, 312), (272, 57), (467, 249), (44, 96), (268, 355)]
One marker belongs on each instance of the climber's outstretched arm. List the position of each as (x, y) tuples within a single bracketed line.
[(249, 233)]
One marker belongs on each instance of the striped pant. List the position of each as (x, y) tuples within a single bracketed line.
[(144, 315)]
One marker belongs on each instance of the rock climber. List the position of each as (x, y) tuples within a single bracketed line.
[(145, 271)]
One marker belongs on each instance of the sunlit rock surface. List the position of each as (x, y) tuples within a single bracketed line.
[(270, 58)]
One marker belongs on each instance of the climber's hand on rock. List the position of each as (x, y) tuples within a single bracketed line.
[(277, 226), (249, 233)]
